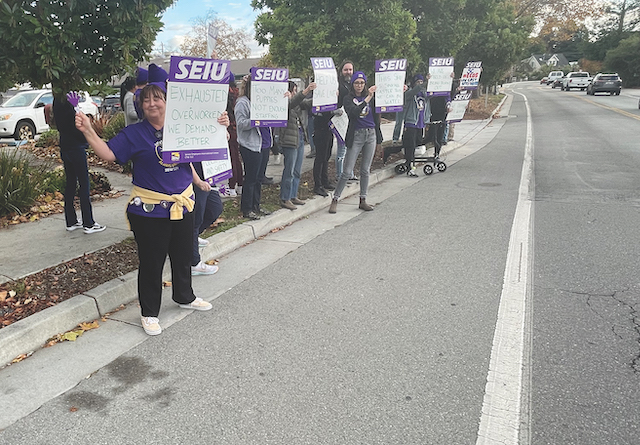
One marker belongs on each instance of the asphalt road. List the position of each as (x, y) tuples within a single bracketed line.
[(380, 327)]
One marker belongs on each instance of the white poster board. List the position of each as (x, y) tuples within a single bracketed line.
[(441, 76), (390, 75), (459, 106), (269, 105), (325, 96)]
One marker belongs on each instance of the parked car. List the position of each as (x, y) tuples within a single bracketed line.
[(543, 80), (22, 116), (557, 83), (111, 104), (87, 105), (578, 79), (97, 100), (553, 76), (605, 83)]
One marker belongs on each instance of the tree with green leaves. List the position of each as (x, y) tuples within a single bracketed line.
[(69, 42), (360, 30), (625, 60)]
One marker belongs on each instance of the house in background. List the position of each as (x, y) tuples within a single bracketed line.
[(537, 61)]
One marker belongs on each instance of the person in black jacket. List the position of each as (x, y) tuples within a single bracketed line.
[(72, 151), (363, 133)]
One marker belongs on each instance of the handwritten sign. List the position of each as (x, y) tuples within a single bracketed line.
[(440, 70), (197, 91), (325, 96), (459, 106), (339, 124), (390, 75), (269, 105), (217, 171), (471, 76)]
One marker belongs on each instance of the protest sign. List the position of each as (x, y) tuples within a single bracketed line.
[(390, 75), (459, 106), (325, 96), (471, 76), (197, 91), (339, 124), (441, 76), (217, 171), (269, 105)]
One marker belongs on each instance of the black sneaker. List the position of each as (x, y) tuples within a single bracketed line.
[(251, 215), (94, 228), (329, 187), (320, 191)]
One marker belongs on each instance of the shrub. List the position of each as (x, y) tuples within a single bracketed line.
[(113, 127), (50, 138), (19, 182)]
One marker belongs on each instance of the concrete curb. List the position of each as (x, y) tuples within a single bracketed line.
[(31, 333)]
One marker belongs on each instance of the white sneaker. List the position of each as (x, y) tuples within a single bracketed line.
[(198, 304), (151, 325), (77, 225), (203, 268), (95, 228), (230, 193), (202, 242)]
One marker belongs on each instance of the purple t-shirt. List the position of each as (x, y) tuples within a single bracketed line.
[(142, 144), (267, 138), (365, 119), (421, 103)]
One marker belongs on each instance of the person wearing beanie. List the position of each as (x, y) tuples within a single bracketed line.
[(363, 134), (416, 109)]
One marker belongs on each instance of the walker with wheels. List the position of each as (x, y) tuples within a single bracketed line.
[(431, 162)]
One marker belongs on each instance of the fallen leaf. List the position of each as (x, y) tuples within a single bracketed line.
[(166, 284), (73, 409), (3, 295), (27, 301), (71, 335), (12, 293), (90, 325), (72, 270)]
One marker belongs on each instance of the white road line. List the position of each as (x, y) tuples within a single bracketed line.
[(501, 408)]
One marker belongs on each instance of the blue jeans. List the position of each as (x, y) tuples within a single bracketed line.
[(76, 172), (207, 209), (340, 157), (364, 140), (293, 158)]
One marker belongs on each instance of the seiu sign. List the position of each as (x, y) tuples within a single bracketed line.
[(441, 61), (391, 65), (322, 63), (271, 74), (189, 69)]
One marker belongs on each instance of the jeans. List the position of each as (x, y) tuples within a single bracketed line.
[(293, 158), (340, 156), (157, 237), (251, 189), (207, 209), (76, 172), (364, 140)]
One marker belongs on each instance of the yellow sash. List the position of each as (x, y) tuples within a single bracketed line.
[(179, 201)]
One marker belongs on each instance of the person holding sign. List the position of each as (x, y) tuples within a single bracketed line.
[(363, 133), (250, 142), (160, 208), (292, 145), (416, 107)]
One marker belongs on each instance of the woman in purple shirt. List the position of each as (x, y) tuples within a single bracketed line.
[(160, 209), (363, 133)]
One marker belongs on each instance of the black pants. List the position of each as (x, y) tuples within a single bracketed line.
[(157, 237), (251, 188), (436, 135), (76, 173), (323, 140), (410, 140)]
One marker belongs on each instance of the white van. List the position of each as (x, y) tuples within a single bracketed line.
[(553, 76)]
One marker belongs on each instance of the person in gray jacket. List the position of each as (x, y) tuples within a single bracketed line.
[(292, 139), (250, 142)]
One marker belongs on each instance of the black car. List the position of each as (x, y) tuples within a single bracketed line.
[(111, 104), (605, 83)]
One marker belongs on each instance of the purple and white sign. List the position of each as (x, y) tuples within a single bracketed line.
[(325, 96), (390, 75), (197, 91), (471, 76), (441, 72), (339, 124), (269, 105), (459, 106), (217, 171)]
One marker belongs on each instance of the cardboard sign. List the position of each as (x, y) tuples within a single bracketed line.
[(197, 91), (269, 105), (339, 125), (390, 75), (471, 76), (440, 70), (459, 106), (325, 96), (217, 171)]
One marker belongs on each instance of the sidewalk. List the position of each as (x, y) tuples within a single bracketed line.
[(32, 247)]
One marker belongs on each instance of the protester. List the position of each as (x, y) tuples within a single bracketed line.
[(344, 87), (250, 142), (268, 142), (363, 133), (323, 138), (160, 209), (142, 78), (439, 110), (234, 149), (127, 99), (73, 146), (416, 110), (310, 130), (291, 140)]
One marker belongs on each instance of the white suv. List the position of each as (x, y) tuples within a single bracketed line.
[(579, 79), (553, 76), (22, 116)]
